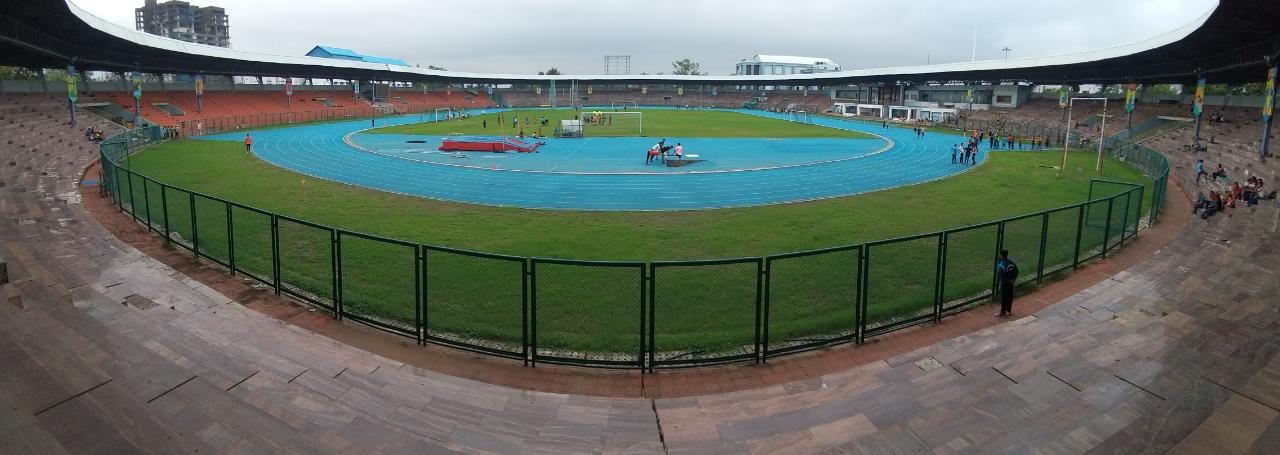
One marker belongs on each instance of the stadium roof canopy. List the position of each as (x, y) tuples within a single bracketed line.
[(348, 54), (1231, 43)]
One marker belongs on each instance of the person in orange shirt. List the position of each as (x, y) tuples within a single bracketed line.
[(248, 143)]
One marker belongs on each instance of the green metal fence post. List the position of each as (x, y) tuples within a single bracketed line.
[(275, 252), (146, 200), (1106, 230), (1124, 222), (940, 276), (528, 312), (644, 324), (762, 310), (1138, 219), (426, 297), (336, 236), (133, 207), (164, 208), (864, 263), (1075, 260), (231, 241), (653, 322), (1044, 240), (418, 290), (995, 278), (195, 235)]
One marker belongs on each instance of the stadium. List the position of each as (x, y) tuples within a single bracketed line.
[(207, 249)]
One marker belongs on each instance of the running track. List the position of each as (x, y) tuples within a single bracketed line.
[(319, 151)]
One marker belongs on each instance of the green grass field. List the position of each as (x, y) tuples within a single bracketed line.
[(594, 311), (665, 122)]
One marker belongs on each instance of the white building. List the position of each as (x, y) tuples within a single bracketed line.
[(785, 64)]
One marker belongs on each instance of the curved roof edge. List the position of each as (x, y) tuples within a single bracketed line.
[(161, 43)]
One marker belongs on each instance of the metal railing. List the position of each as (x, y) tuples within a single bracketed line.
[(625, 314)]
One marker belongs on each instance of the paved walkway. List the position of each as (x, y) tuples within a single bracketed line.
[(107, 350)]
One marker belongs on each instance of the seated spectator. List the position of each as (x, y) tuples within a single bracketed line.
[(1220, 173), (1236, 190)]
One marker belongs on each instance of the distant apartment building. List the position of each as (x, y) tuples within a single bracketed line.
[(183, 21), (785, 64)]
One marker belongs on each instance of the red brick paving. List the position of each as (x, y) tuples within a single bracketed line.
[(630, 383)]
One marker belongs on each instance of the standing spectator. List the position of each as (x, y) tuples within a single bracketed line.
[(1007, 273), (248, 143), (954, 149), (1199, 170), (484, 123)]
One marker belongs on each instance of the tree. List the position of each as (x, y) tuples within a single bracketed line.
[(1162, 89), (687, 67), (551, 72)]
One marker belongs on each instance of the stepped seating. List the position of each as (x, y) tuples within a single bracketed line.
[(106, 349), (35, 138)]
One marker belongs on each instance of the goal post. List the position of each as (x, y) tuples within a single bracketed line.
[(609, 123), (800, 117), (624, 105), (442, 114)]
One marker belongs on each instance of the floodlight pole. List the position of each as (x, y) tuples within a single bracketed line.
[(1102, 136)]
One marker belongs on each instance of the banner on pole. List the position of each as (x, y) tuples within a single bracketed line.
[(537, 89), (355, 87), (288, 87), (1199, 104), (73, 90), (1130, 97), (137, 85), (968, 95), (715, 91), (199, 86), (1270, 93), (680, 90), (588, 89), (1064, 96), (644, 89)]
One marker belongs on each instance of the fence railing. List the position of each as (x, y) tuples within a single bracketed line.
[(641, 315)]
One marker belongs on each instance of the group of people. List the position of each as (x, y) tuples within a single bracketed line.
[(660, 151), (1219, 173), (919, 131), (1214, 202), (93, 134), (965, 153)]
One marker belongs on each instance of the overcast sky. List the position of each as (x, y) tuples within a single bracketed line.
[(526, 36)]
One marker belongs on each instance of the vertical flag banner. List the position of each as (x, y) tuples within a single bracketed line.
[(355, 87), (715, 91), (288, 87), (1270, 92), (137, 85), (537, 89), (200, 93), (680, 90), (644, 89), (588, 89), (489, 89), (1130, 97), (73, 90), (1064, 96), (968, 96), (1199, 105)]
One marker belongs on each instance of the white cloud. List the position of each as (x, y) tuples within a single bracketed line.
[(526, 36)]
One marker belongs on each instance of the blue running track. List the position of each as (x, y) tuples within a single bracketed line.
[(609, 173)]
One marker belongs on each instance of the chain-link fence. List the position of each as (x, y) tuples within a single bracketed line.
[(812, 299), (902, 282), (254, 240), (306, 261), (704, 311), (378, 282), (968, 255), (632, 314), (476, 300), (588, 312)]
